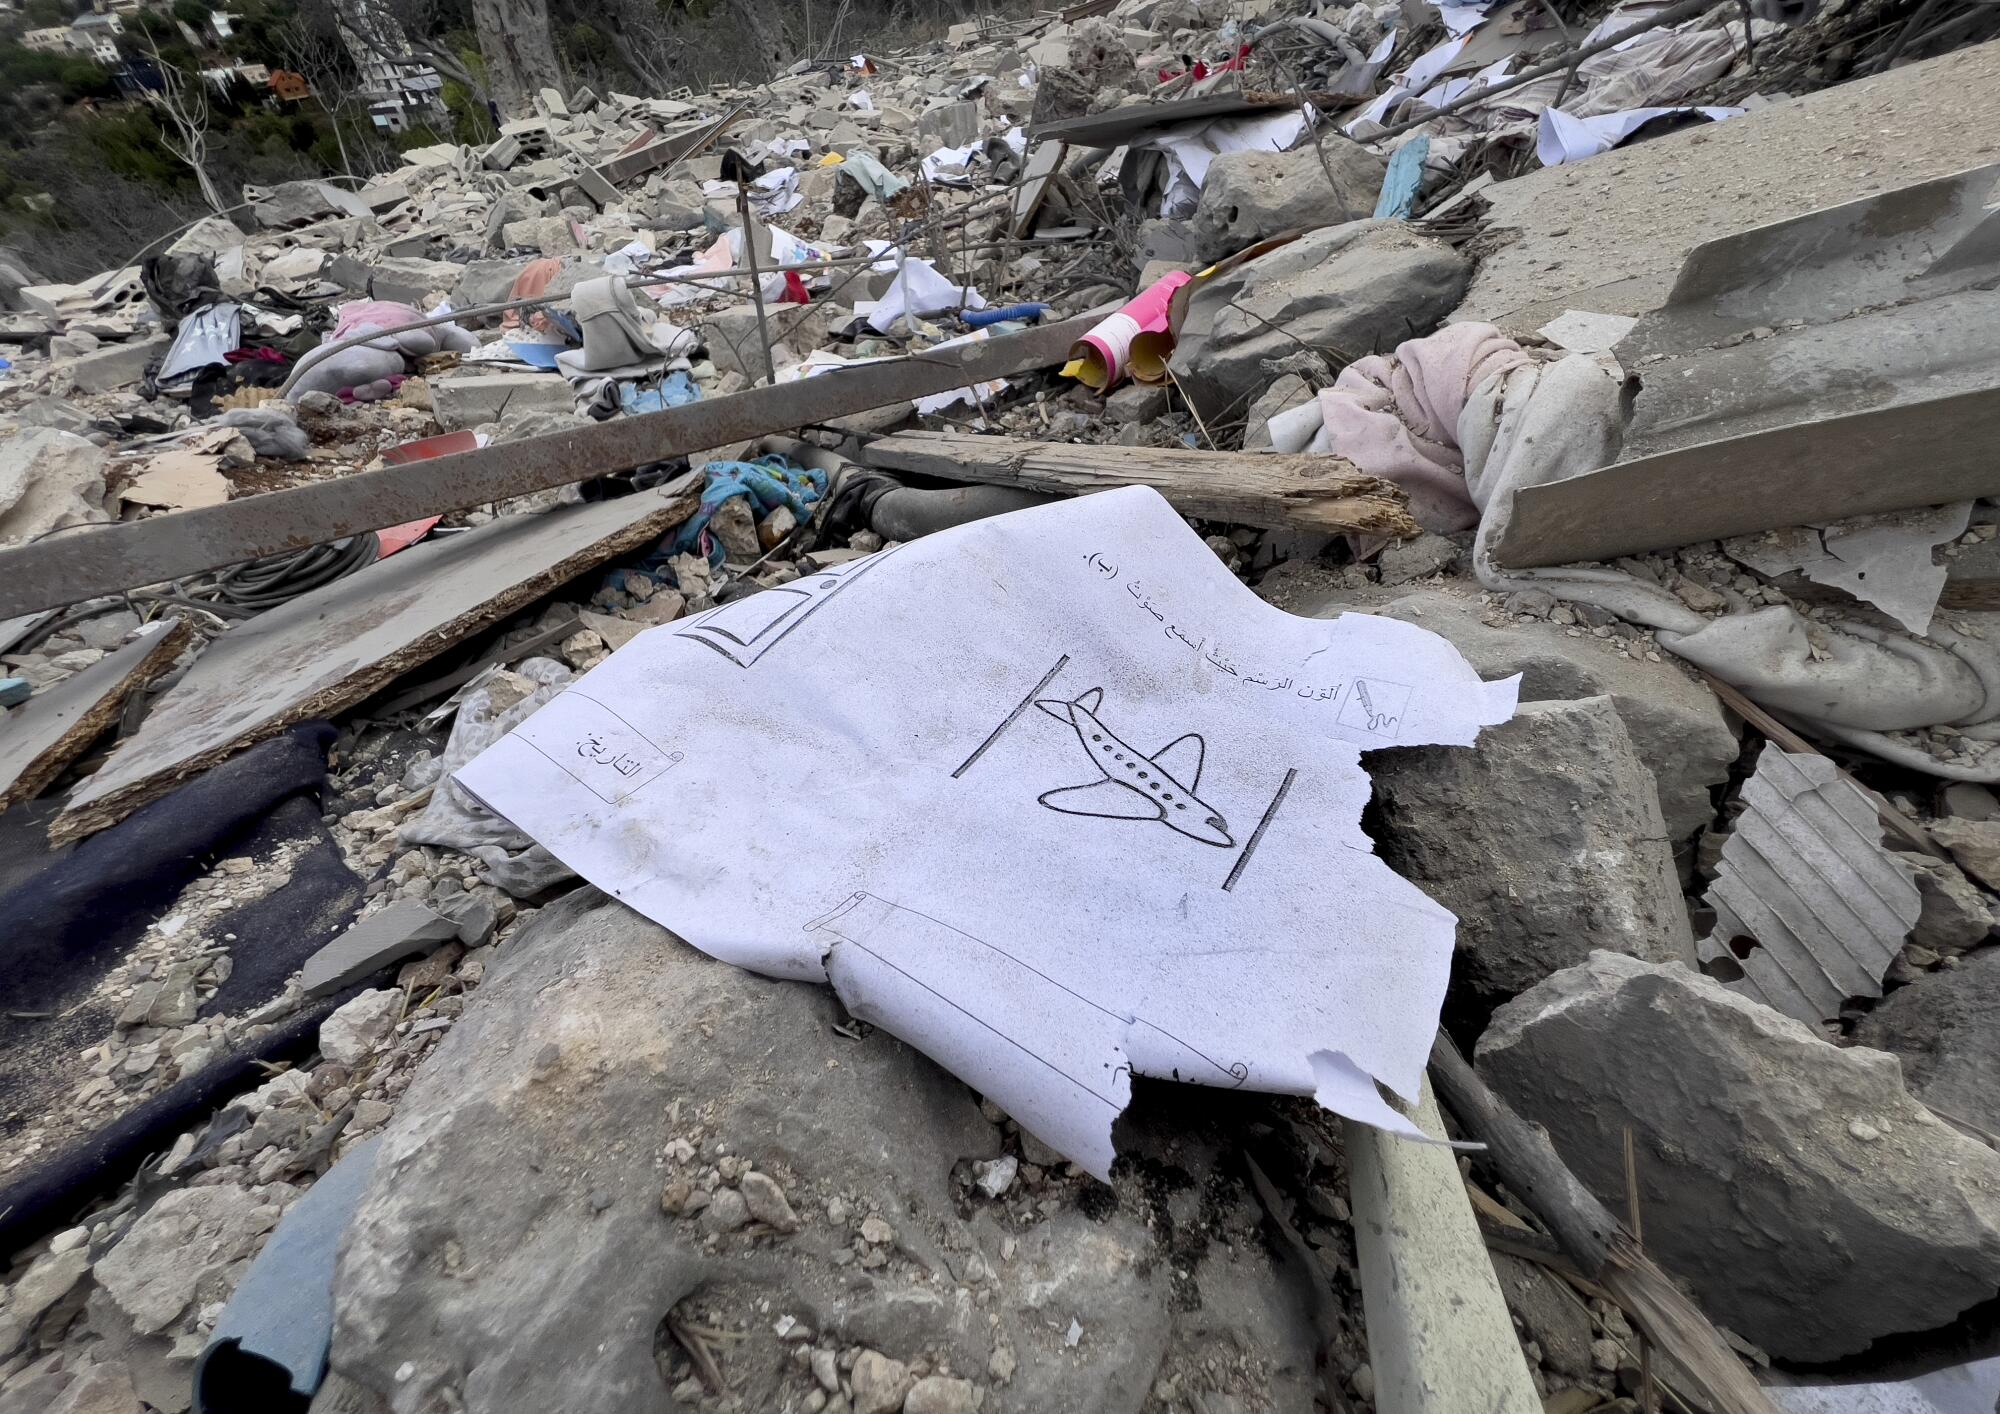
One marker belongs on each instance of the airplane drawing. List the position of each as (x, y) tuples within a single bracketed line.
[(1133, 785)]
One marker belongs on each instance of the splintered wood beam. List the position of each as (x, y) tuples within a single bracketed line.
[(1278, 492)]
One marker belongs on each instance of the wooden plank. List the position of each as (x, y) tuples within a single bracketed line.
[(1887, 459), (327, 650), (65, 569), (1899, 824), (1278, 492), (52, 729)]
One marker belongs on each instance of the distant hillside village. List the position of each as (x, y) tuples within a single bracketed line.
[(394, 91)]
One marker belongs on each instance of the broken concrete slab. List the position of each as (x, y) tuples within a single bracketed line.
[(1249, 197), (112, 366), (469, 400), (560, 1053), (1941, 1028), (330, 648), (1546, 841), (1624, 226), (1770, 1162), (403, 930), (1676, 723), (1350, 290), (1810, 910), (49, 479), (55, 725), (413, 280), (949, 125)]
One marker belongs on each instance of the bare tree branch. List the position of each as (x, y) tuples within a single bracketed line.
[(183, 101)]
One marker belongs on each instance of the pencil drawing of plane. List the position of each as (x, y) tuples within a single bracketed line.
[(1131, 784)]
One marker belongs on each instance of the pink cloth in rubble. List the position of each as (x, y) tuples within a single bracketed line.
[(1396, 416)]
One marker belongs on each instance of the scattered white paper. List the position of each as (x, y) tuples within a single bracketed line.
[(1564, 137), (1585, 332), (918, 289), (1050, 796)]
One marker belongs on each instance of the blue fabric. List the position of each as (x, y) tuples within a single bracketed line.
[(1400, 182), (677, 391), (769, 482)]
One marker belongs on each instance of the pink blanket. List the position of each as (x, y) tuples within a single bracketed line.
[(1396, 416)]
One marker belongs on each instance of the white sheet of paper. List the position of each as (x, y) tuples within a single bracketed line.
[(1050, 796), (1564, 137)]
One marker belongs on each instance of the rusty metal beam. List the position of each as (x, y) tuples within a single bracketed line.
[(90, 561)]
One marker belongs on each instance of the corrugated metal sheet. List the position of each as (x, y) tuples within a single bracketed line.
[(1808, 904)]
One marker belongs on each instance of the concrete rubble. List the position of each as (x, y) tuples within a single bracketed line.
[(611, 1173)]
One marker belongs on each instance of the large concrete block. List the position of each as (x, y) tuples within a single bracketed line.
[(1352, 290), (1676, 722), (469, 401), (111, 366), (1545, 840), (1252, 196), (1810, 1202)]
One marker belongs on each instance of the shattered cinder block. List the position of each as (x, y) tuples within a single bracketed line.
[(1811, 1202), (1546, 841), (469, 401)]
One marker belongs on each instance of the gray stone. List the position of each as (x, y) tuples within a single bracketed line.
[(48, 479), (726, 1211), (477, 916), (186, 1251), (293, 204), (951, 125), (111, 367), (1286, 392), (410, 279), (1425, 557), (1957, 914), (478, 1264), (1348, 290), (467, 401), (1676, 722), (1251, 196), (402, 930), (767, 1202), (880, 1384), (1545, 839), (100, 1389), (1969, 801), (352, 1033), (734, 341), (49, 1279), (1136, 402), (1771, 1163), (1554, 1317), (53, 412), (1975, 845), (941, 1394), (1942, 1027), (486, 282)]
